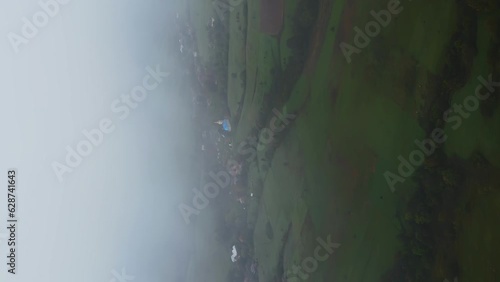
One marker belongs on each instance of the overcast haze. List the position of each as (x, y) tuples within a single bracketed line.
[(118, 209)]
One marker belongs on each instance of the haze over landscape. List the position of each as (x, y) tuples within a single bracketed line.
[(64, 81), (246, 141)]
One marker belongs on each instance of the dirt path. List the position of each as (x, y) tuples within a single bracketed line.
[(271, 16), (344, 31), (319, 34)]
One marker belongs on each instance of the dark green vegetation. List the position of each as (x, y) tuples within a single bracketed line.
[(323, 174), (432, 219), (447, 187)]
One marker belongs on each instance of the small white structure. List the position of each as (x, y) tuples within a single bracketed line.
[(234, 255)]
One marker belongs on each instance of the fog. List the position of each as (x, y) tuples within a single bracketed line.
[(117, 209)]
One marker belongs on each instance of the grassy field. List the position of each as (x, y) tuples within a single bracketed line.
[(325, 176)]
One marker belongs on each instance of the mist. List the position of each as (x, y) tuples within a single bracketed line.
[(117, 210)]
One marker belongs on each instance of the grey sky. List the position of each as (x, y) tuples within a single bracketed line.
[(118, 209)]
